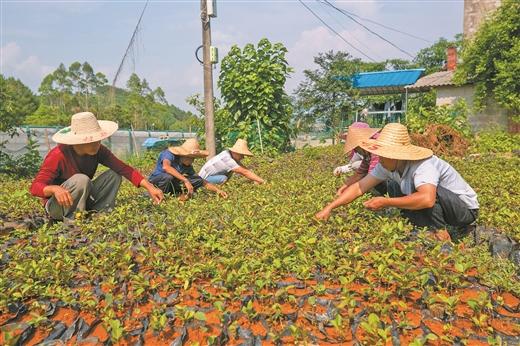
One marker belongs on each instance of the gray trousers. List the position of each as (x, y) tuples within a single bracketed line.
[(449, 210), (98, 194)]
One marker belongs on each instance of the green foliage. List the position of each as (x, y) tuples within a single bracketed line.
[(252, 83), (79, 88), (69, 90), (16, 102), (24, 165), (456, 116), (490, 59), (324, 96), (257, 258), (495, 141), (433, 58)]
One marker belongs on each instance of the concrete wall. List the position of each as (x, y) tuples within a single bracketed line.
[(475, 12), (492, 116), (447, 95)]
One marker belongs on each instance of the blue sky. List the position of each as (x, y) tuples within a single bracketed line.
[(36, 36)]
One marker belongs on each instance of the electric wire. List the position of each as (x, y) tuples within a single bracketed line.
[(334, 31)]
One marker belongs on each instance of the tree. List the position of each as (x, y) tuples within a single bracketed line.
[(252, 83), (67, 91), (490, 59), (326, 94), (433, 58), (17, 101)]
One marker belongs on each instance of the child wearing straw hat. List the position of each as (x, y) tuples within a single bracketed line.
[(219, 169), (428, 190), (175, 167), (65, 180), (358, 132)]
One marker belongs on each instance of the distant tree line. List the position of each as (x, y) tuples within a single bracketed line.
[(79, 88)]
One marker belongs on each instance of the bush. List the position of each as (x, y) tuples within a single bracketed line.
[(455, 116), (21, 166), (495, 141)]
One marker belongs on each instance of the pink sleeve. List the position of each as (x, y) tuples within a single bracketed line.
[(373, 162)]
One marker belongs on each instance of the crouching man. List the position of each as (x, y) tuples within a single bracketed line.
[(219, 169), (174, 170), (65, 180), (428, 190)]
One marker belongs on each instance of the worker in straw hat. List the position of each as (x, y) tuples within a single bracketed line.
[(428, 190), (220, 168), (174, 168), (357, 133), (65, 180)]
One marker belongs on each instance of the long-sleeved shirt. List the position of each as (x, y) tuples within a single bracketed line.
[(62, 162)]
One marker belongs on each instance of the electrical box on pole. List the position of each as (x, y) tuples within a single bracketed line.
[(213, 54), (211, 6)]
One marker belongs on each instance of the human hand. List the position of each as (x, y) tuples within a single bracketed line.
[(323, 215), (375, 203), (155, 194), (222, 194), (342, 169), (189, 187), (63, 196)]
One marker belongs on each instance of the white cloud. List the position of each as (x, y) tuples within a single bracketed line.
[(309, 44), (368, 8), (29, 69)]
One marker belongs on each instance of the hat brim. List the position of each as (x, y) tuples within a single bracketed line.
[(244, 152), (66, 136), (397, 152), (179, 151), (362, 134)]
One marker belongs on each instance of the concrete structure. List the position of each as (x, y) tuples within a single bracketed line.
[(448, 93), (475, 12)]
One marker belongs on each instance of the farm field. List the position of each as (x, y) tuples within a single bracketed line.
[(256, 268)]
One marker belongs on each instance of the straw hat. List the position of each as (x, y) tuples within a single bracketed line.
[(190, 148), (357, 134), (394, 143), (240, 147), (85, 128)]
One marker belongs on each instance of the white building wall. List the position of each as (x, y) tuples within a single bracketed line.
[(491, 116)]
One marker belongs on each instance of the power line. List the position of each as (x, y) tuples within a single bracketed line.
[(367, 28), (388, 27), (327, 9), (334, 31)]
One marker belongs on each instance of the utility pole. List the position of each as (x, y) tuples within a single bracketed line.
[(208, 79)]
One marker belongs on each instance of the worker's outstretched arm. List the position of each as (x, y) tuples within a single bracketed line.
[(351, 193)]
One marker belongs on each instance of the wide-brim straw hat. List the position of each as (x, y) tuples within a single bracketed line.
[(240, 147), (189, 148), (85, 128), (394, 143), (356, 135)]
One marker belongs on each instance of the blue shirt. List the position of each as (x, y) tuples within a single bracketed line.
[(175, 162)]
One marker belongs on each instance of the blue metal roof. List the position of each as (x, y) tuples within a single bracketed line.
[(384, 82), (386, 78)]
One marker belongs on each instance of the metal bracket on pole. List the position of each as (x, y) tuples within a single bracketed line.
[(197, 54)]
